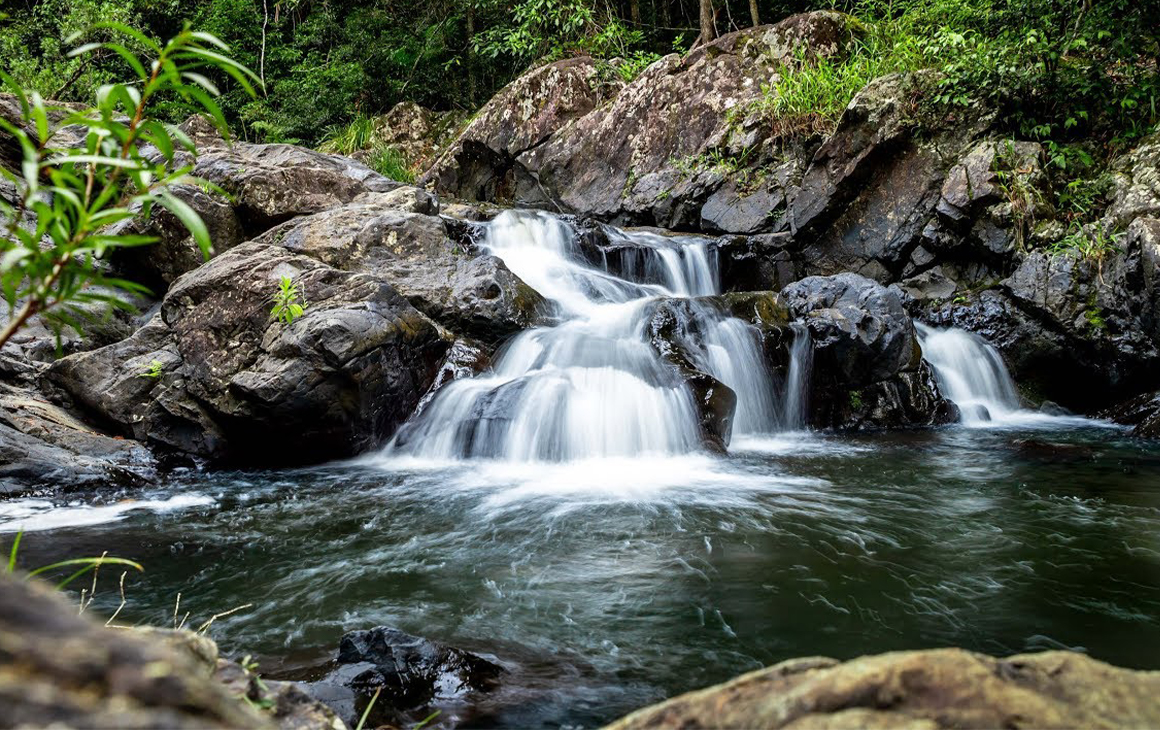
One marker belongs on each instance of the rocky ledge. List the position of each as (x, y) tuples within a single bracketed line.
[(919, 690)]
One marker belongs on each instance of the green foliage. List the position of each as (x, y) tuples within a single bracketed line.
[(389, 162), (156, 367), (1090, 243), (85, 564), (288, 302), (357, 134), (56, 226), (856, 402)]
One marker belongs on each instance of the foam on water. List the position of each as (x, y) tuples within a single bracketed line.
[(33, 515)]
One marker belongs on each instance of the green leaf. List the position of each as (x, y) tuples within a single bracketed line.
[(12, 553), (190, 219)]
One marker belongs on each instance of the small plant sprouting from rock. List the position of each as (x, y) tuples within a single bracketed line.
[(856, 402), (156, 367), (288, 302)]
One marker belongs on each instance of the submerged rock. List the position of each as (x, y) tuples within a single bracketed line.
[(932, 689), (408, 671)]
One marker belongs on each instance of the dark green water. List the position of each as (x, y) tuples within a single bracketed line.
[(604, 586)]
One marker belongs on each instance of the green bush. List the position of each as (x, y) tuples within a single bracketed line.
[(57, 225)]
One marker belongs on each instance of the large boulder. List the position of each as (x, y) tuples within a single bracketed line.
[(215, 375), (931, 689), (272, 183), (655, 152), (868, 369), (435, 263), (175, 252), (417, 133), (483, 163)]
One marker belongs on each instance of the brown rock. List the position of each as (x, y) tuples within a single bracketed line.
[(938, 688)]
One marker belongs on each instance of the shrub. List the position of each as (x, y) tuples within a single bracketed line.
[(56, 224)]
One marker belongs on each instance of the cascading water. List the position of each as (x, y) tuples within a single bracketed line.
[(970, 373), (593, 385)]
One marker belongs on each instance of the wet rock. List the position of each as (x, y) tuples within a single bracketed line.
[(1142, 413), (932, 689), (867, 363), (411, 672), (399, 238), (233, 384), (287, 704), (675, 331), (1062, 319), (61, 669)]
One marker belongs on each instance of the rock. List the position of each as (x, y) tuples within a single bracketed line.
[(411, 672), (1061, 319), (1136, 185), (675, 332), (43, 446), (481, 164), (868, 197), (175, 251), (867, 363), (920, 690), (288, 704), (415, 132), (1142, 413), (398, 238), (61, 669), (233, 384), (272, 183), (649, 152)]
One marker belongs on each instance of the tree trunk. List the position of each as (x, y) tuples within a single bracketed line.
[(470, 54), (666, 16), (753, 13), (708, 22), (634, 12)]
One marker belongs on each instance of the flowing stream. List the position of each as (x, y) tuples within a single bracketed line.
[(556, 514)]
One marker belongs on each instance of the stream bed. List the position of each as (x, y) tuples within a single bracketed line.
[(607, 584)]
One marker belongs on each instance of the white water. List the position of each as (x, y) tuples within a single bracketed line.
[(970, 373), (593, 386)]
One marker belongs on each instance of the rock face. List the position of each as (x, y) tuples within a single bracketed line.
[(648, 155), (399, 238), (868, 369), (410, 671), (938, 688), (63, 670), (213, 374), (44, 446), (1059, 320)]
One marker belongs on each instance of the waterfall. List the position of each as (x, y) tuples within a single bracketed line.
[(970, 373), (593, 385)]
